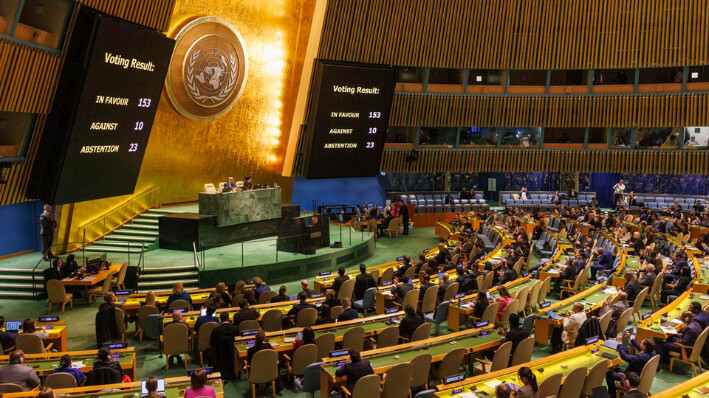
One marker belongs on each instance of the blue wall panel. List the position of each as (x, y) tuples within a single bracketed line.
[(338, 191), (20, 227)]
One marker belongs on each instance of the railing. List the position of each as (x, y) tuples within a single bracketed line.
[(99, 227), (198, 248)]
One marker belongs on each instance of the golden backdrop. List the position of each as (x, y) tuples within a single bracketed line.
[(251, 139)]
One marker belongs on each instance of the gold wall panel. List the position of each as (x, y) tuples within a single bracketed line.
[(518, 34), (659, 110), (27, 78), (505, 160), (184, 154), (153, 13)]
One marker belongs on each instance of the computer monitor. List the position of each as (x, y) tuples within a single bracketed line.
[(13, 326), (161, 386)]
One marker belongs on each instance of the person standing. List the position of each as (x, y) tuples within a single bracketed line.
[(404, 213), (618, 192), (47, 228)]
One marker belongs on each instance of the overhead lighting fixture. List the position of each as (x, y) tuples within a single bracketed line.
[(695, 75), (478, 78)]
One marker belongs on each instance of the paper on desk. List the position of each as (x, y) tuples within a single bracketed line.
[(77, 364), (387, 293), (89, 278), (468, 395), (67, 279), (668, 330), (553, 271), (704, 297), (611, 290), (493, 383), (289, 339)]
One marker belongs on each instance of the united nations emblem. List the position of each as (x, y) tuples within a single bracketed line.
[(208, 69)]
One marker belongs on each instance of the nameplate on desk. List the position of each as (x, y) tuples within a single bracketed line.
[(454, 379), (317, 295), (48, 319), (325, 273), (425, 250), (339, 353), (387, 283), (251, 282), (526, 274), (460, 295), (249, 332), (481, 324), (205, 370), (399, 258), (121, 292), (68, 279), (116, 345), (591, 340), (391, 310), (646, 315), (178, 309), (545, 304)]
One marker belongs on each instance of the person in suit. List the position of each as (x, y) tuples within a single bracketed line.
[(410, 322), (209, 317), (636, 362), (247, 183), (568, 274), (443, 254), (515, 334), (58, 271), (632, 381), (354, 369), (260, 287), (647, 276), (179, 293), (229, 185), (687, 336), (221, 338), (700, 316), (604, 263), (302, 296), (349, 313), (443, 284), (405, 265), (572, 323), (282, 296), (18, 372), (507, 273), (401, 287), (245, 313), (339, 280), (259, 345), (529, 388), (632, 287), (404, 214), (677, 288), (636, 243), (305, 286), (47, 228), (555, 199), (425, 285), (331, 298), (363, 282)]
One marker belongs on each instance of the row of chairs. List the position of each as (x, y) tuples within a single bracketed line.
[(56, 291), (454, 195)]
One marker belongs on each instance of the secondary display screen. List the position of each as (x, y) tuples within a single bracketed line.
[(348, 119), (103, 112)]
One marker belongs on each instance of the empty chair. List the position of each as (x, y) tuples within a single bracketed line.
[(573, 384), (57, 295), (411, 298), (595, 377), (272, 320), (428, 304), (451, 291), (302, 357), (499, 361), (638, 303), (523, 352), (388, 337), (153, 327), (528, 324), (533, 297), (450, 364), (121, 322), (176, 342), (422, 332), (141, 324), (397, 381), (550, 386), (487, 282), (544, 289), (353, 339), (118, 281), (263, 369), (490, 313), (605, 321), (422, 368), (250, 324), (209, 188), (30, 343), (180, 304), (310, 382), (366, 387), (325, 343), (100, 291), (368, 301), (203, 336), (266, 297), (387, 275), (346, 289), (522, 300), (440, 316), (336, 311), (306, 317), (60, 380)]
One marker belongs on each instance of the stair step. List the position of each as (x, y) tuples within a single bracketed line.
[(19, 277), (172, 275), (141, 227), (137, 232), (123, 244), (173, 268), (4, 284), (163, 210), (145, 221), (112, 249), (15, 294), (187, 282), (20, 270), (130, 238)]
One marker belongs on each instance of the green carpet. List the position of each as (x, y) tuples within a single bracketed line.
[(80, 320)]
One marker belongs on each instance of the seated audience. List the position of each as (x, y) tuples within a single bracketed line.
[(260, 287), (65, 367), (325, 316), (354, 369), (677, 288), (220, 297), (503, 301), (305, 285), (502, 390), (616, 310), (209, 317), (198, 387), (687, 336), (258, 345), (250, 297), (307, 337), (151, 385), (339, 280), (349, 313), (331, 298), (529, 387), (46, 393), (363, 282), (179, 293), (410, 322), (282, 296), (636, 362), (28, 327), (18, 372), (303, 297), (245, 313)]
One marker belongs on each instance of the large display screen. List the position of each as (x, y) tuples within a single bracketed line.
[(348, 118), (108, 94)]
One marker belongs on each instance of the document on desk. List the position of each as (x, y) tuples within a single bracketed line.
[(668, 330), (77, 364), (67, 279), (492, 383), (553, 271), (89, 278)]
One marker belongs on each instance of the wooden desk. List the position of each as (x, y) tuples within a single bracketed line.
[(458, 314), (650, 328), (282, 340), (88, 281), (686, 389), (592, 299), (174, 388), (701, 282), (383, 359), (133, 302), (45, 364), (57, 332), (563, 362)]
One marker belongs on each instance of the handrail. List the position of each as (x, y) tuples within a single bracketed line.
[(199, 254), (122, 207)]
